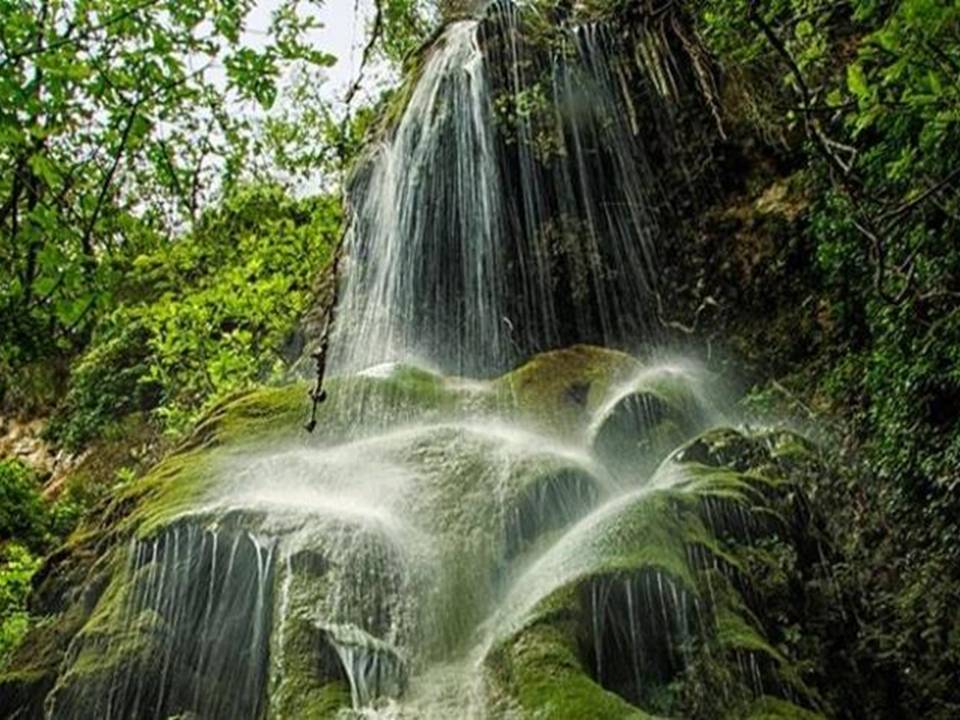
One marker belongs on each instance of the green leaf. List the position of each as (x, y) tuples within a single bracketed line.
[(804, 29), (44, 168), (857, 81)]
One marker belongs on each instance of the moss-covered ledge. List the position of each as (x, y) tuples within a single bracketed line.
[(704, 550), (72, 581), (722, 539)]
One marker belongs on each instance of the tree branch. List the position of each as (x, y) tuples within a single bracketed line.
[(86, 240), (875, 230), (892, 216), (375, 33), (707, 302), (68, 39), (318, 394)]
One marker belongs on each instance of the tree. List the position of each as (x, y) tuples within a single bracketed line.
[(118, 122)]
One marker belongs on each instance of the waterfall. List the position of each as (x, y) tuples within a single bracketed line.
[(195, 605), (387, 567), (517, 205), (426, 263)]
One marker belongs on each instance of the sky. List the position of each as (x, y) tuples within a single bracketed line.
[(343, 34)]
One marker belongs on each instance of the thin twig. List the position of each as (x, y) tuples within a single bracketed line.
[(707, 302), (894, 214), (375, 33)]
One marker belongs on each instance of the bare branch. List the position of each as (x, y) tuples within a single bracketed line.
[(374, 38), (708, 302), (86, 240), (318, 394), (892, 216)]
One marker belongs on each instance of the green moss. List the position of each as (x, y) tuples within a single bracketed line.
[(323, 703), (650, 535), (187, 478), (32, 671), (105, 648), (401, 392), (541, 670), (539, 662), (734, 632), (396, 106), (183, 479), (541, 665), (108, 642), (709, 481), (560, 390), (258, 415), (771, 708), (653, 531), (308, 681)]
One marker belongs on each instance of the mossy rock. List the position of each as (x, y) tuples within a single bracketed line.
[(763, 449), (32, 671), (101, 655), (73, 579), (542, 672), (562, 389), (311, 683), (551, 665), (71, 584), (503, 493), (662, 539)]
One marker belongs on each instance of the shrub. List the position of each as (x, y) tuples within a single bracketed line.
[(203, 317), (23, 516), (17, 566)]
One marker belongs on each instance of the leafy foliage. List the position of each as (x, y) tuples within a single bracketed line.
[(17, 566), (27, 518), (28, 527), (405, 25), (864, 95), (118, 131), (211, 314), (22, 512), (116, 126)]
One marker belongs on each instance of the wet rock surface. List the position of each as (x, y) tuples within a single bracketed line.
[(338, 571)]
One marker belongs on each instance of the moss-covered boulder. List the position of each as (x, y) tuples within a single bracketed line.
[(432, 522), (653, 600)]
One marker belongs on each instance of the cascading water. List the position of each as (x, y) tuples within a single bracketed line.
[(386, 570), (426, 262), (517, 205)]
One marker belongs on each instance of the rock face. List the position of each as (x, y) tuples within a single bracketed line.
[(653, 596), (23, 440), (534, 167), (563, 541), (586, 535)]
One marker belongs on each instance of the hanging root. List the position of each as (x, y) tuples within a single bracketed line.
[(704, 71), (318, 394)]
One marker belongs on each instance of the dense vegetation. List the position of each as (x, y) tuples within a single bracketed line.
[(115, 132), (154, 259), (863, 98)]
